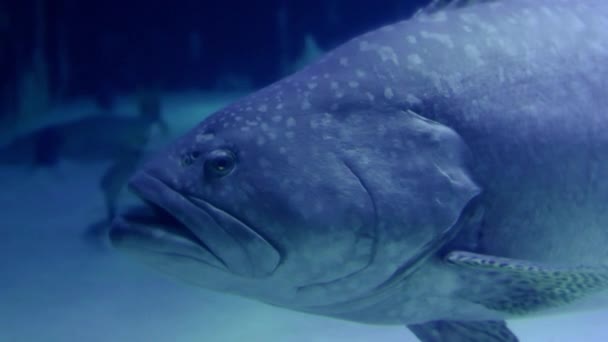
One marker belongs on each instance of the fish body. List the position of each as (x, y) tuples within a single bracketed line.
[(446, 172)]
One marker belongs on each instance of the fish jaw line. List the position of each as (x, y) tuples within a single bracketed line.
[(238, 247), (151, 228)]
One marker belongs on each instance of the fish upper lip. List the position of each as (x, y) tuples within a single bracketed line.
[(235, 244)]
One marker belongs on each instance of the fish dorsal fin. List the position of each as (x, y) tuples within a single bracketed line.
[(520, 287), (441, 5)]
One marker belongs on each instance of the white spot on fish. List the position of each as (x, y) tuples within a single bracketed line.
[(412, 99), (326, 120), (546, 11), (290, 135), (388, 93), (312, 85), (599, 47), (439, 17), (436, 78), (454, 82), (260, 141), (360, 73), (314, 124), (382, 130), (203, 137), (334, 85), (291, 122), (364, 46), (370, 96), (488, 28), (305, 104), (577, 24), (279, 106), (509, 48), (388, 54), (531, 19), (411, 39), (282, 150), (473, 53), (414, 59), (277, 118), (469, 18), (442, 38), (353, 84), (344, 61)]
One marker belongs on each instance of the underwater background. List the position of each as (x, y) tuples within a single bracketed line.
[(87, 90)]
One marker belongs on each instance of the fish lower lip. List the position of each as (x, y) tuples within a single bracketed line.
[(150, 214), (240, 249), (149, 228)]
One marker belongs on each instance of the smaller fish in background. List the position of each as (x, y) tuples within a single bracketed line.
[(103, 136), (134, 142)]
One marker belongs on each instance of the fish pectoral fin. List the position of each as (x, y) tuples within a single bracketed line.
[(463, 331), (519, 287)]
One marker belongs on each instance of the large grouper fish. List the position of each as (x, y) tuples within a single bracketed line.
[(446, 172)]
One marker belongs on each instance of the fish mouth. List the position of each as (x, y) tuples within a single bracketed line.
[(178, 225), (147, 228)]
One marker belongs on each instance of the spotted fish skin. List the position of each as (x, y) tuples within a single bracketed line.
[(340, 189)]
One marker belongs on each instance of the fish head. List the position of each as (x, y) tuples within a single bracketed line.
[(294, 200), (251, 197)]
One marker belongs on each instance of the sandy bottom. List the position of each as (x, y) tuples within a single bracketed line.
[(55, 286)]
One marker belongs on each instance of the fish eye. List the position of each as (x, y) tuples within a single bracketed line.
[(220, 163)]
